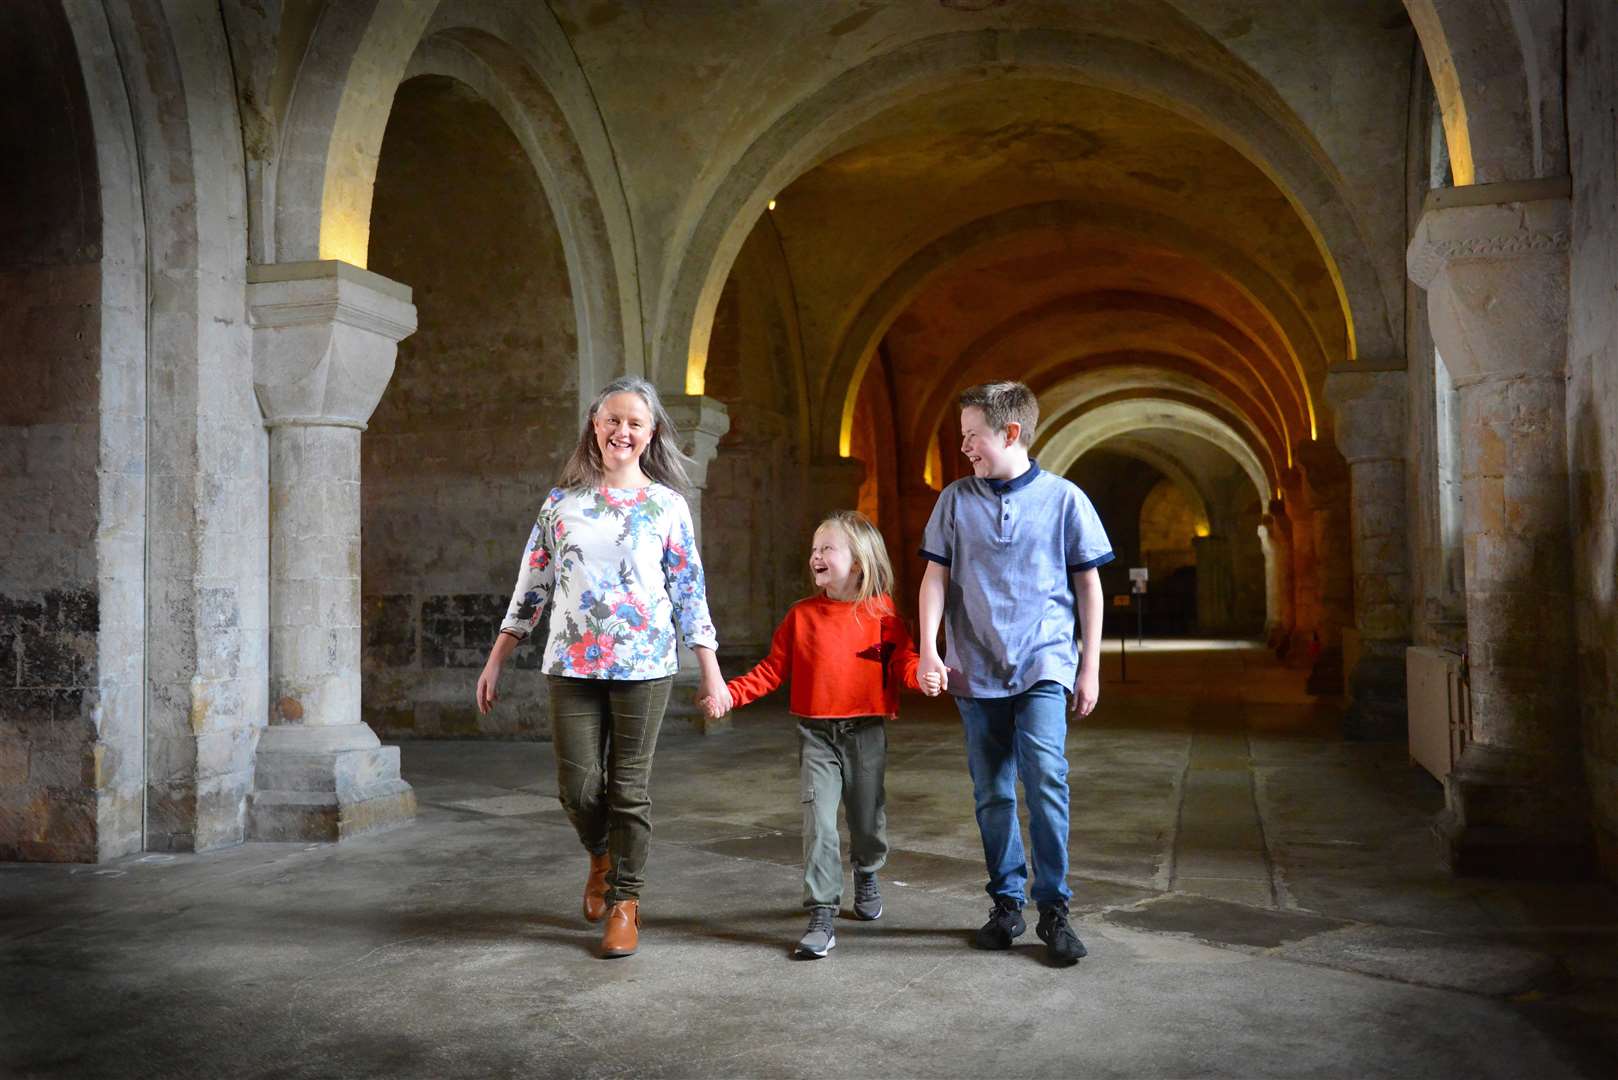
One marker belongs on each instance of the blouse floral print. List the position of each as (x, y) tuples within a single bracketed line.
[(620, 571)]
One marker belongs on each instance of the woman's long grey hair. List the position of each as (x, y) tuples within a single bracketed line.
[(662, 461)]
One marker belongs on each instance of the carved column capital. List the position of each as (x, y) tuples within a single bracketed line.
[(1494, 261), (325, 337), (701, 421), (1370, 408)]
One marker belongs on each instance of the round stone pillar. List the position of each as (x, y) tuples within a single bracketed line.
[(1494, 261), (1325, 495), (325, 335), (701, 422), (1370, 408)]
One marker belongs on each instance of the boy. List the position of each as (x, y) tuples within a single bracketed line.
[(1012, 551)]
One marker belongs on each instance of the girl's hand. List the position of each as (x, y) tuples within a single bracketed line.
[(716, 698), (934, 683)]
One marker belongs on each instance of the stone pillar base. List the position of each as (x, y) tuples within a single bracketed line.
[(326, 783), (1377, 708), (1511, 817)]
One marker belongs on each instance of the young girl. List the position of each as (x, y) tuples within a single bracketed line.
[(845, 653), (613, 556)]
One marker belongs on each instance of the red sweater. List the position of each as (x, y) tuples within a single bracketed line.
[(842, 659)]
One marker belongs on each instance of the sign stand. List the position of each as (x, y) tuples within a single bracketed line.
[(1137, 590)]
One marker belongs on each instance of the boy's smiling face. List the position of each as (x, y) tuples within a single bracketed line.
[(993, 454)]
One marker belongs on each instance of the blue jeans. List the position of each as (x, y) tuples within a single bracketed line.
[(1024, 736)]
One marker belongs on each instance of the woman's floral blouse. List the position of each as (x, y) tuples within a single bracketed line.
[(620, 570)]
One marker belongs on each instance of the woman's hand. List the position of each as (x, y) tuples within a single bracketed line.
[(504, 646), (487, 694), (713, 683)]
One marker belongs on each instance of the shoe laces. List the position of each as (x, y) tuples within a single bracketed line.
[(819, 919), (1003, 913), (865, 888), (1054, 918)]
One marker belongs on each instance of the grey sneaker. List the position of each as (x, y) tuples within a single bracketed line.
[(867, 896), (820, 938)]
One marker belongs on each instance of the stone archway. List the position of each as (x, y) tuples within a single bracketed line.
[(474, 424), (519, 60), (807, 131), (1291, 334)]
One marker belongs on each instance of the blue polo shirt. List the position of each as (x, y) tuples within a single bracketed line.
[(1012, 548)]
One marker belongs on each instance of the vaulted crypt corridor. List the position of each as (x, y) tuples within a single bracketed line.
[(302, 303)]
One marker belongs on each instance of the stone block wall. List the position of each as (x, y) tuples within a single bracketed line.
[(71, 464), (49, 597), (1592, 399), (475, 424)]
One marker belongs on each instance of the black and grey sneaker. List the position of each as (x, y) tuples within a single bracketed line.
[(867, 896), (820, 938), (1062, 945), (1005, 925)]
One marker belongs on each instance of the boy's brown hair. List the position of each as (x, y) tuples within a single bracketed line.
[(1002, 404)]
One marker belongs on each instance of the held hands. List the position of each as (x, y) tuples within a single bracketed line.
[(932, 675), (714, 696)]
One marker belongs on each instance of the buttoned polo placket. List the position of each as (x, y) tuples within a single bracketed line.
[(1004, 490)]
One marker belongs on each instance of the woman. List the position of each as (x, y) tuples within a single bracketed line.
[(614, 557)]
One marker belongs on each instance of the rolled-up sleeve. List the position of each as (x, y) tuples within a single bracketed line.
[(535, 580), (687, 585)]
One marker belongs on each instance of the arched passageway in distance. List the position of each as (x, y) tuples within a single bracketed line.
[(478, 416), (1088, 259)]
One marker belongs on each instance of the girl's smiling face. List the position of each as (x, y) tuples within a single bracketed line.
[(623, 426), (831, 560)]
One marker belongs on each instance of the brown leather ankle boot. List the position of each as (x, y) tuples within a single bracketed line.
[(595, 887), (622, 936)]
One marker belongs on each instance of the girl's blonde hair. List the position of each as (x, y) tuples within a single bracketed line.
[(870, 555), (662, 461)]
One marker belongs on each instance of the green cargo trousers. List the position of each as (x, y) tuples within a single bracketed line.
[(605, 732), (841, 761)]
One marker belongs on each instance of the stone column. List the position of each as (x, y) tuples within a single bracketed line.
[(834, 484), (325, 335), (1216, 591), (1324, 488), (1370, 428), (1281, 609), (1494, 261), (701, 422)]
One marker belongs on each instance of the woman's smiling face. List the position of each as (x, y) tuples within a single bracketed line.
[(623, 426)]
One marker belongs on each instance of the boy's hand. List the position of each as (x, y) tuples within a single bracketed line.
[(932, 672), (710, 706), (1086, 692)]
